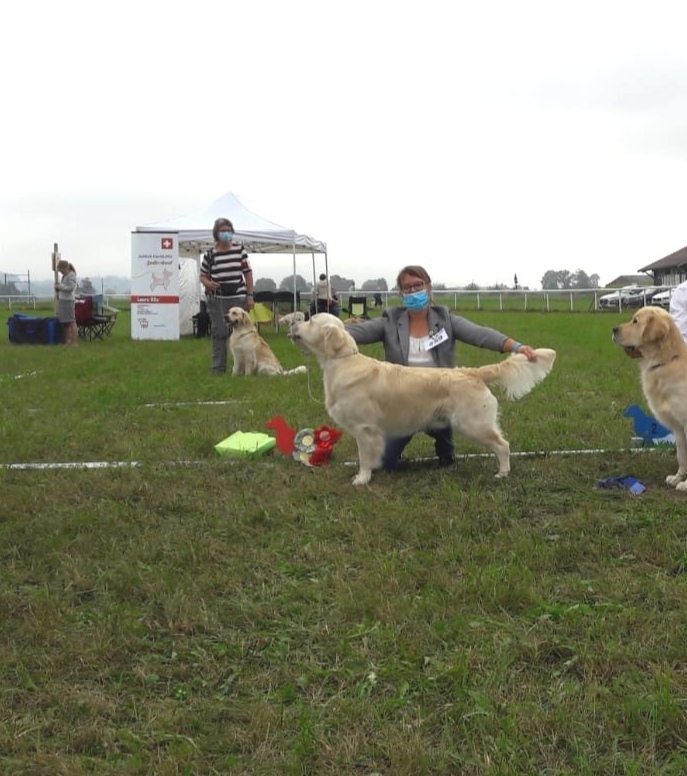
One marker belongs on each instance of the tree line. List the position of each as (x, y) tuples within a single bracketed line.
[(552, 279), (338, 284), (563, 278)]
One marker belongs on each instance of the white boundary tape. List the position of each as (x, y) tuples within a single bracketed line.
[(195, 403), (20, 377), (532, 454), (135, 464), (74, 465)]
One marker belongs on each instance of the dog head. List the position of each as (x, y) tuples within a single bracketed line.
[(324, 335), (237, 318), (290, 318), (651, 332)]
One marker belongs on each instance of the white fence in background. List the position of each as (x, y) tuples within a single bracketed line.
[(459, 299), (36, 301)]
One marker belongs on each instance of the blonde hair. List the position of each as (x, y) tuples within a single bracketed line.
[(68, 266)]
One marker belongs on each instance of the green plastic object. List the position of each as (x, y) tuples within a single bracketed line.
[(245, 444)]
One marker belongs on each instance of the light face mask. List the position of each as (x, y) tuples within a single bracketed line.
[(416, 301), (226, 236)]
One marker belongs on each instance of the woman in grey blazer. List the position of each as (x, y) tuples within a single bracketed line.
[(66, 302), (423, 334)]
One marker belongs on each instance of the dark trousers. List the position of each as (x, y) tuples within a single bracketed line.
[(443, 447), (218, 307), (322, 307)]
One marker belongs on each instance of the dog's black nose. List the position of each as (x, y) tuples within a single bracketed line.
[(615, 329)]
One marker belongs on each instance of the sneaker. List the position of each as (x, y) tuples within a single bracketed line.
[(446, 460)]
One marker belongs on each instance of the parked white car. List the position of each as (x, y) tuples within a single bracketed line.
[(645, 296), (615, 298), (629, 296), (662, 298)]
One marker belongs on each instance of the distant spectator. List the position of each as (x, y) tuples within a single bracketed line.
[(378, 299), (66, 302), (323, 289), (326, 301)]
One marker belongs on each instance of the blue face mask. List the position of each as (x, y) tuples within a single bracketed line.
[(416, 301), (226, 236)]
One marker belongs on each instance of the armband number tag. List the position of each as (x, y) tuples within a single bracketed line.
[(436, 338)]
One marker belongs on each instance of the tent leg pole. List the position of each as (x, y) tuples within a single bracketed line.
[(313, 295), (295, 292)]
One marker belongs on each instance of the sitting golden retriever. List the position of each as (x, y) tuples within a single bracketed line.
[(251, 354), (373, 399), (653, 338)]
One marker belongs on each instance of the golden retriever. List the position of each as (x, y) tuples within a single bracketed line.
[(289, 318), (653, 337), (372, 399), (251, 354)]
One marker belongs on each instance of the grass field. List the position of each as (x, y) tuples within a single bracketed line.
[(193, 615)]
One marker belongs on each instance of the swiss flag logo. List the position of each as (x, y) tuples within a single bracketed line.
[(166, 243)]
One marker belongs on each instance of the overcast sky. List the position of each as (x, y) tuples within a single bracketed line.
[(481, 139)]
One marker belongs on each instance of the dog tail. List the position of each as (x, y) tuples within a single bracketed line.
[(516, 374), (297, 370)]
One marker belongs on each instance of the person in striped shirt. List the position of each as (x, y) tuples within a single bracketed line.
[(227, 277)]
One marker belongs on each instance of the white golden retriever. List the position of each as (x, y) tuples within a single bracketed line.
[(289, 318), (251, 354), (653, 337), (373, 399)]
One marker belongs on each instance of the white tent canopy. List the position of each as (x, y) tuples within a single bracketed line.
[(256, 233)]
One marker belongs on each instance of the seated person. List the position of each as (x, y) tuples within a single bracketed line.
[(326, 299), (332, 307)]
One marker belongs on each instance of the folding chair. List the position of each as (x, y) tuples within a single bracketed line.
[(93, 321), (110, 316), (357, 307), (265, 298)]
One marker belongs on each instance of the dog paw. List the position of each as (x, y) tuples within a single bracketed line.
[(362, 478), (681, 485), (501, 475), (674, 480)]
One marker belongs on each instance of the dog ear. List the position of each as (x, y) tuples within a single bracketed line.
[(655, 329), (334, 339)]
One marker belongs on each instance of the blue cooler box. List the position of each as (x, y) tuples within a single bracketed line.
[(32, 330)]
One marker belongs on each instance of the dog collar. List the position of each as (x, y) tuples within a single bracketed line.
[(663, 363), (346, 355)]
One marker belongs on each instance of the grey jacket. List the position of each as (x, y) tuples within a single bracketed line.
[(392, 328), (67, 286)]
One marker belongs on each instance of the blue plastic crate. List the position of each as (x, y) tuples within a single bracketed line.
[(33, 330)]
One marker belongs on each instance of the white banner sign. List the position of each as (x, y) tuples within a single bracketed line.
[(154, 286)]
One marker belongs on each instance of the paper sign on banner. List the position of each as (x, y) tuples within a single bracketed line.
[(154, 286)]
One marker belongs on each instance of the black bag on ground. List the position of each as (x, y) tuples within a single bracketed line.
[(201, 324), (33, 330)]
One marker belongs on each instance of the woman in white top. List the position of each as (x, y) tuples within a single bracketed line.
[(66, 296), (678, 308), (325, 301), (424, 334)]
